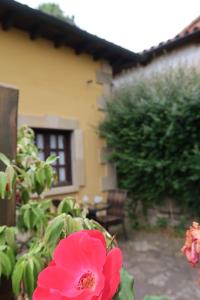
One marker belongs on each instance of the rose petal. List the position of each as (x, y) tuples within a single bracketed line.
[(113, 261), (55, 278), (80, 252), (111, 272), (52, 263), (44, 294), (97, 235)]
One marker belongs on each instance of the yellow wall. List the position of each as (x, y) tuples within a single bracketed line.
[(54, 81)]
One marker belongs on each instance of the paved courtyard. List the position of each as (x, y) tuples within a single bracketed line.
[(158, 267)]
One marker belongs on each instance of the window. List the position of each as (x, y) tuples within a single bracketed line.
[(59, 143)]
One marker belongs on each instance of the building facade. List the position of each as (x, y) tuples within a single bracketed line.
[(63, 75)]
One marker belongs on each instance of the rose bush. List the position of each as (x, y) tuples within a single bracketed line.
[(81, 269), (43, 225)]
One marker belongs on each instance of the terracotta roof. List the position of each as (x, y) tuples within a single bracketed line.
[(189, 35), (61, 33), (195, 25)]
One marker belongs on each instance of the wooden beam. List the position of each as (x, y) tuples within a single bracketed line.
[(7, 22), (8, 140), (99, 54), (122, 64), (35, 32), (117, 61), (59, 41), (114, 59), (81, 47)]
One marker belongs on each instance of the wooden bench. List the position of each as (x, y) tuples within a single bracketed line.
[(115, 212)]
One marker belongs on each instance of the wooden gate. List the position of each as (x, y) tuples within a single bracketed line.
[(8, 139)]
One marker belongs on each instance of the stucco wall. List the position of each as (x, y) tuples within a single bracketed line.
[(57, 83), (185, 56)]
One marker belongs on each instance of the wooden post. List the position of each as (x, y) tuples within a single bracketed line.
[(8, 140)]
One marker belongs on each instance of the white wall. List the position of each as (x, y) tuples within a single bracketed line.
[(189, 56)]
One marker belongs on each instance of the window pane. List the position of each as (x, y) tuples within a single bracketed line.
[(61, 157), (62, 175), (41, 155), (40, 141), (52, 141), (60, 142)]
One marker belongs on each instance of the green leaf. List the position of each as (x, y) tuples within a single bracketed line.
[(40, 176), (66, 206), (28, 219), (25, 195), (87, 223), (17, 276), (11, 176), (10, 253), (48, 175), (10, 237), (3, 182), (38, 265), (5, 264), (73, 224), (4, 159), (51, 159), (126, 287), (44, 205), (3, 248), (29, 278), (54, 230), (2, 228)]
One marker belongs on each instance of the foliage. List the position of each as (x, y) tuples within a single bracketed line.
[(55, 10), (39, 221), (153, 131), (34, 215), (162, 223), (25, 267), (45, 238), (180, 228), (126, 287), (69, 206), (7, 250), (28, 173)]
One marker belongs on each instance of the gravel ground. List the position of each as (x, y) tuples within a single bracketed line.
[(158, 267)]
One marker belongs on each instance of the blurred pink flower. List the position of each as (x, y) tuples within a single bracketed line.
[(191, 248)]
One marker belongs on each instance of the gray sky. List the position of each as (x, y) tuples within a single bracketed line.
[(133, 24)]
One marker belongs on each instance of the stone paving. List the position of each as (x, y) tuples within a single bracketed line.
[(158, 267)]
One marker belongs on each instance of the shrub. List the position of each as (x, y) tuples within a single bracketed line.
[(25, 250), (153, 131), (162, 223)]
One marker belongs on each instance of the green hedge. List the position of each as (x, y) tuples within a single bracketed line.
[(153, 129)]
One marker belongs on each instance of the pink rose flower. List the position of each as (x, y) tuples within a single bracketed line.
[(81, 269)]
